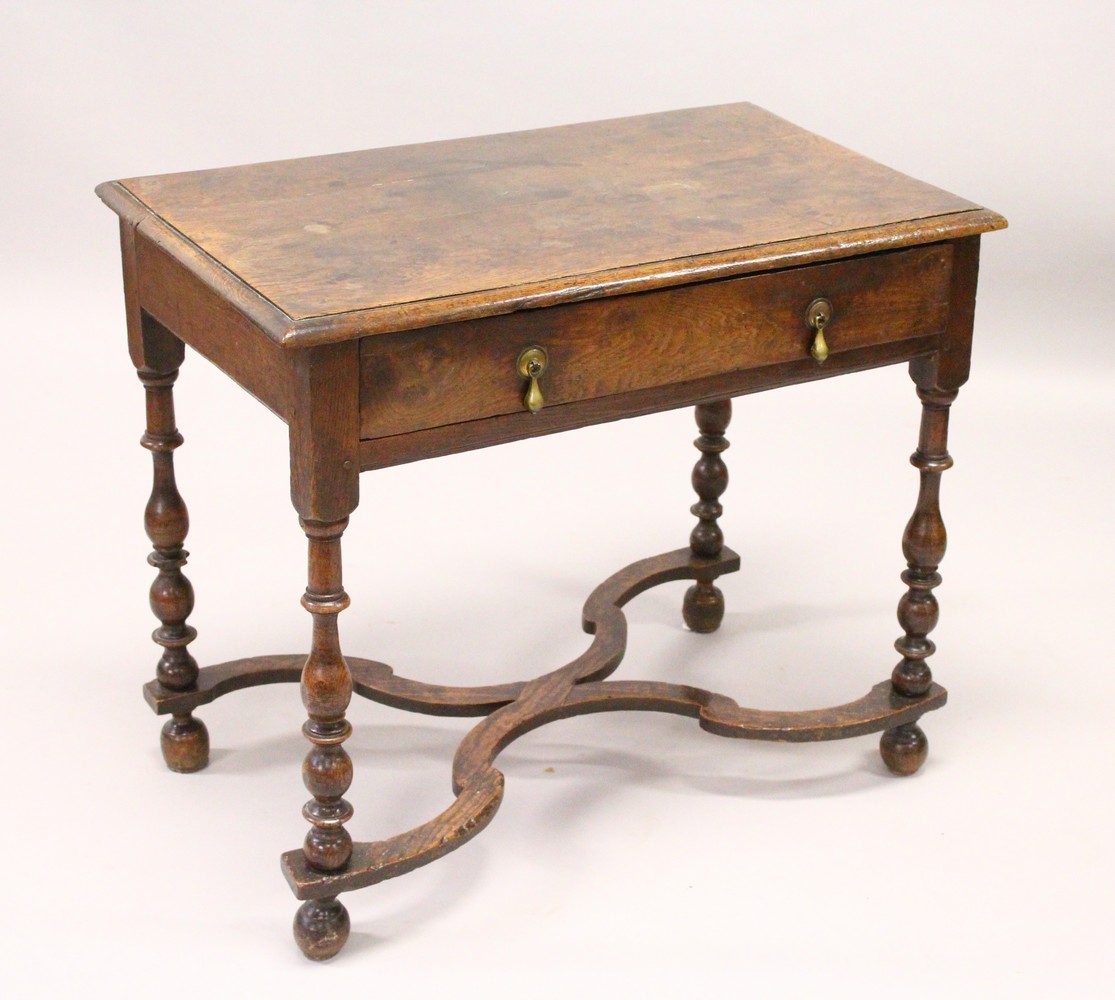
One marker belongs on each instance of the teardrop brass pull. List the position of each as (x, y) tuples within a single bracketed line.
[(532, 363), (817, 317)]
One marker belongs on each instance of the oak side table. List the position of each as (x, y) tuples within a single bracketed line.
[(400, 304)]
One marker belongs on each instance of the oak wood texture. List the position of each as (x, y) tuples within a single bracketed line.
[(321, 928), (953, 359), (579, 688), (184, 740), (378, 302), (703, 605), (326, 685), (370, 679), (467, 371), (324, 432), (334, 247), (174, 298), (905, 747), (515, 709), (452, 438)]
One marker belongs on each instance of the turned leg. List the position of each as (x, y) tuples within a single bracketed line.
[(185, 741), (321, 926), (703, 607), (904, 748)]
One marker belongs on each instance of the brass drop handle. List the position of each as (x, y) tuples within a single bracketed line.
[(817, 316), (532, 363)]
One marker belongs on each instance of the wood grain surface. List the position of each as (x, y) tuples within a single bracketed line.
[(387, 239), (449, 439), (417, 379), (581, 687), (660, 260)]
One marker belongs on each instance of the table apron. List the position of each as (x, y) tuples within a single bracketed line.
[(456, 387), (176, 298)]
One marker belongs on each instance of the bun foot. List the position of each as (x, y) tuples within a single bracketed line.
[(904, 749), (321, 928), (185, 744), (703, 607)]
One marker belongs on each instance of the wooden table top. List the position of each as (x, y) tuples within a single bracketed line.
[(328, 248)]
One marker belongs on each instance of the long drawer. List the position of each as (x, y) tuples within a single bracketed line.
[(467, 371)]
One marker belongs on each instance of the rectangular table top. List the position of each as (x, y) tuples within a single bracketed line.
[(328, 248)]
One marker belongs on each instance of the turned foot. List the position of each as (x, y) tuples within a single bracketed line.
[(185, 744), (703, 607), (321, 928), (904, 749)]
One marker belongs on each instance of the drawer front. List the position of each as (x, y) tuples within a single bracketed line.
[(467, 371)]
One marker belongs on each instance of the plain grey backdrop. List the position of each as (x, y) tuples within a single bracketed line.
[(633, 855)]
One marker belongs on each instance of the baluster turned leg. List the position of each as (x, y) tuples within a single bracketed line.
[(904, 748), (185, 740), (321, 927), (703, 608)]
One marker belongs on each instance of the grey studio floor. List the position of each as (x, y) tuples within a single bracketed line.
[(634, 855)]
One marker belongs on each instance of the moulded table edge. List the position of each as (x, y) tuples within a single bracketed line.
[(335, 327)]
